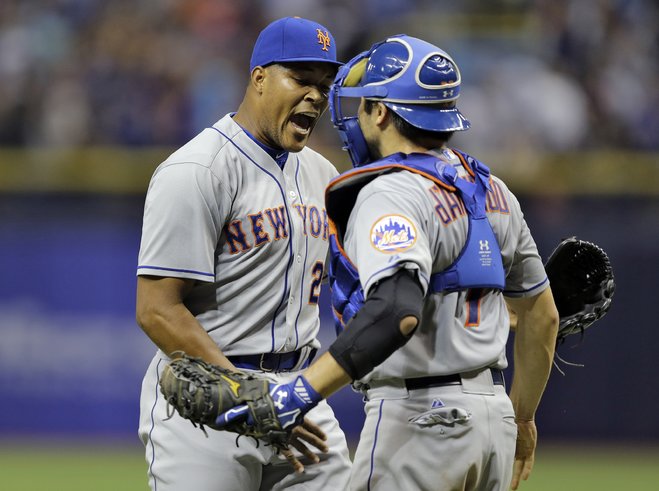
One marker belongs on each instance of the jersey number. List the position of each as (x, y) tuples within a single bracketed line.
[(474, 296), (317, 275)]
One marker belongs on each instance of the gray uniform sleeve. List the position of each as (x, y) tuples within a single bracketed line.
[(526, 275), (182, 222), (386, 232)]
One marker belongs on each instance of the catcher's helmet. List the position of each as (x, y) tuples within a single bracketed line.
[(415, 79)]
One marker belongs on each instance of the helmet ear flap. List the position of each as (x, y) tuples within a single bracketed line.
[(354, 142)]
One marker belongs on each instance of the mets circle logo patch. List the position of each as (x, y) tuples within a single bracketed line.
[(393, 233)]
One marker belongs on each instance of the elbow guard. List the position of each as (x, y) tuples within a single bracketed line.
[(374, 333)]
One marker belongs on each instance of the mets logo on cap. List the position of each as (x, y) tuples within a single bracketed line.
[(393, 233), (323, 39)]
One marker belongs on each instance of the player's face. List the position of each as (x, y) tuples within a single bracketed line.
[(294, 96)]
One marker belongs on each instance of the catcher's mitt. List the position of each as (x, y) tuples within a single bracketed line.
[(582, 283), (201, 392)]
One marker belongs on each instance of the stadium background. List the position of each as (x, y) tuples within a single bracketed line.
[(562, 96)]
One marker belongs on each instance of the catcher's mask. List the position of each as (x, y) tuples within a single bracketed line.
[(413, 78)]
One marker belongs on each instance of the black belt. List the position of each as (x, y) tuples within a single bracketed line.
[(272, 362), (444, 380)]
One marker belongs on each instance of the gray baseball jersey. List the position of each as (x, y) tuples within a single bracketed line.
[(221, 211), (449, 435), (473, 332), (254, 237)]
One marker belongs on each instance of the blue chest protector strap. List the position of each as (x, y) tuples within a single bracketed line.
[(479, 264), (347, 295)]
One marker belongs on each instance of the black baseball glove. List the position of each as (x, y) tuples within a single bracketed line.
[(582, 283), (201, 392)]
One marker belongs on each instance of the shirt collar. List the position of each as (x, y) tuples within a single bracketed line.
[(278, 155)]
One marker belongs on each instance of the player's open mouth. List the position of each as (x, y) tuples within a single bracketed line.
[(303, 122)]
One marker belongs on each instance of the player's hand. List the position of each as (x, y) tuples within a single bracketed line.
[(527, 438), (291, 401), (307, 433)]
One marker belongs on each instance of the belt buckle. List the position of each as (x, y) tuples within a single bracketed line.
[(261, 367)]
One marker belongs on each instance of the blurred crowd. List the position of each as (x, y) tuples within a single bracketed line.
[(562, 75)]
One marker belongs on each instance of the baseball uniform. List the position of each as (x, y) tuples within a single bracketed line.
[(437, 412), (221, 211)]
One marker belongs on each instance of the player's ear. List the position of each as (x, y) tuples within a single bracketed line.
[(257, 77), (381, 113)]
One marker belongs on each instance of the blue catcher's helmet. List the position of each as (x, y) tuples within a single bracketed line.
[(415, 79)]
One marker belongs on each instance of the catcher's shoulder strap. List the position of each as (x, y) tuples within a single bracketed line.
[(347, 295), (479, 264)]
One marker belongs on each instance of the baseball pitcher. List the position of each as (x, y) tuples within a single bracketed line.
[(234, 243)]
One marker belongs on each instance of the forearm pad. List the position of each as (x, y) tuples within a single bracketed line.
[(374, 333)]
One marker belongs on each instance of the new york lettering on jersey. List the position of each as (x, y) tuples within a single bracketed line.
[(271, 224)]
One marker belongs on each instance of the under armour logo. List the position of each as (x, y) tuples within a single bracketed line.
[(484, 245), (323, 38), (436, 403), (281, 395), (447, 93), (301, 391)]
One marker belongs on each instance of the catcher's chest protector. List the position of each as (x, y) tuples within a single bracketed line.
[(479, 264)]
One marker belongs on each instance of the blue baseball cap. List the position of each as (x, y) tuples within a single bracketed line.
[(293, 39)]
